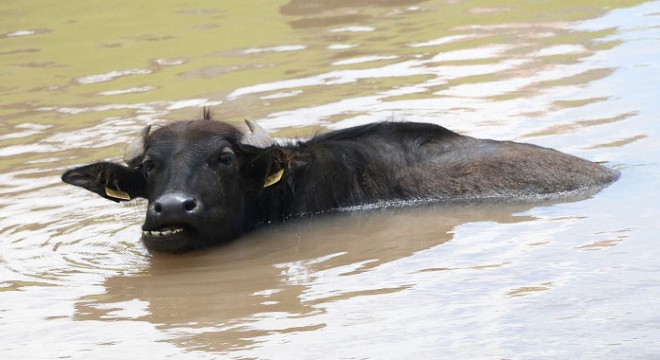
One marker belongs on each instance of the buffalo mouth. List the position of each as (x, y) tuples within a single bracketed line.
[(171, 238), (165, 233)]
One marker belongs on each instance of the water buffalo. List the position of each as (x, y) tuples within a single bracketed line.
[(208, 182)]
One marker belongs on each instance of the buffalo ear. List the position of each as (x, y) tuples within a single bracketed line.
[(112, 181), (267, 167)]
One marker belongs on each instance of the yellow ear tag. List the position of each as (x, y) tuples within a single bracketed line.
[(274, 179), (117, 194)]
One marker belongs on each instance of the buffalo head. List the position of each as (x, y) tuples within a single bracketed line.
[(198, 177)]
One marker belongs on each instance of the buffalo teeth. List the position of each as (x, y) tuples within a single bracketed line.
[(162, 233)]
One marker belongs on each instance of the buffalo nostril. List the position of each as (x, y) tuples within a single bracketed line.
[(189, 205), (175, 206)]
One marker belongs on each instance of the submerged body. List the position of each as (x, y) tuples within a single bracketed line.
[(207, 182), (406, 161)]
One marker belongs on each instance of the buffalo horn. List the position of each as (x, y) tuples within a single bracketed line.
[(135, 150), (259, 137)]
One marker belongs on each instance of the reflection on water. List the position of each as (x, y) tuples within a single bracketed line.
[(565, 280), (285, 279), (286, 273)]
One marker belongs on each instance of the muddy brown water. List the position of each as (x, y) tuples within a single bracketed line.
[(577, 278)]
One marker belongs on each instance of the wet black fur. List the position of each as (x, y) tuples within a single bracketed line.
[(373, 163), (412, 161), (345, 168)]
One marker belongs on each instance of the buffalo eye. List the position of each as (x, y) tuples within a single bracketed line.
[(226, 158)]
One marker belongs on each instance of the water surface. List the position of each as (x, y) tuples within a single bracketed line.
[(571, 279)]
